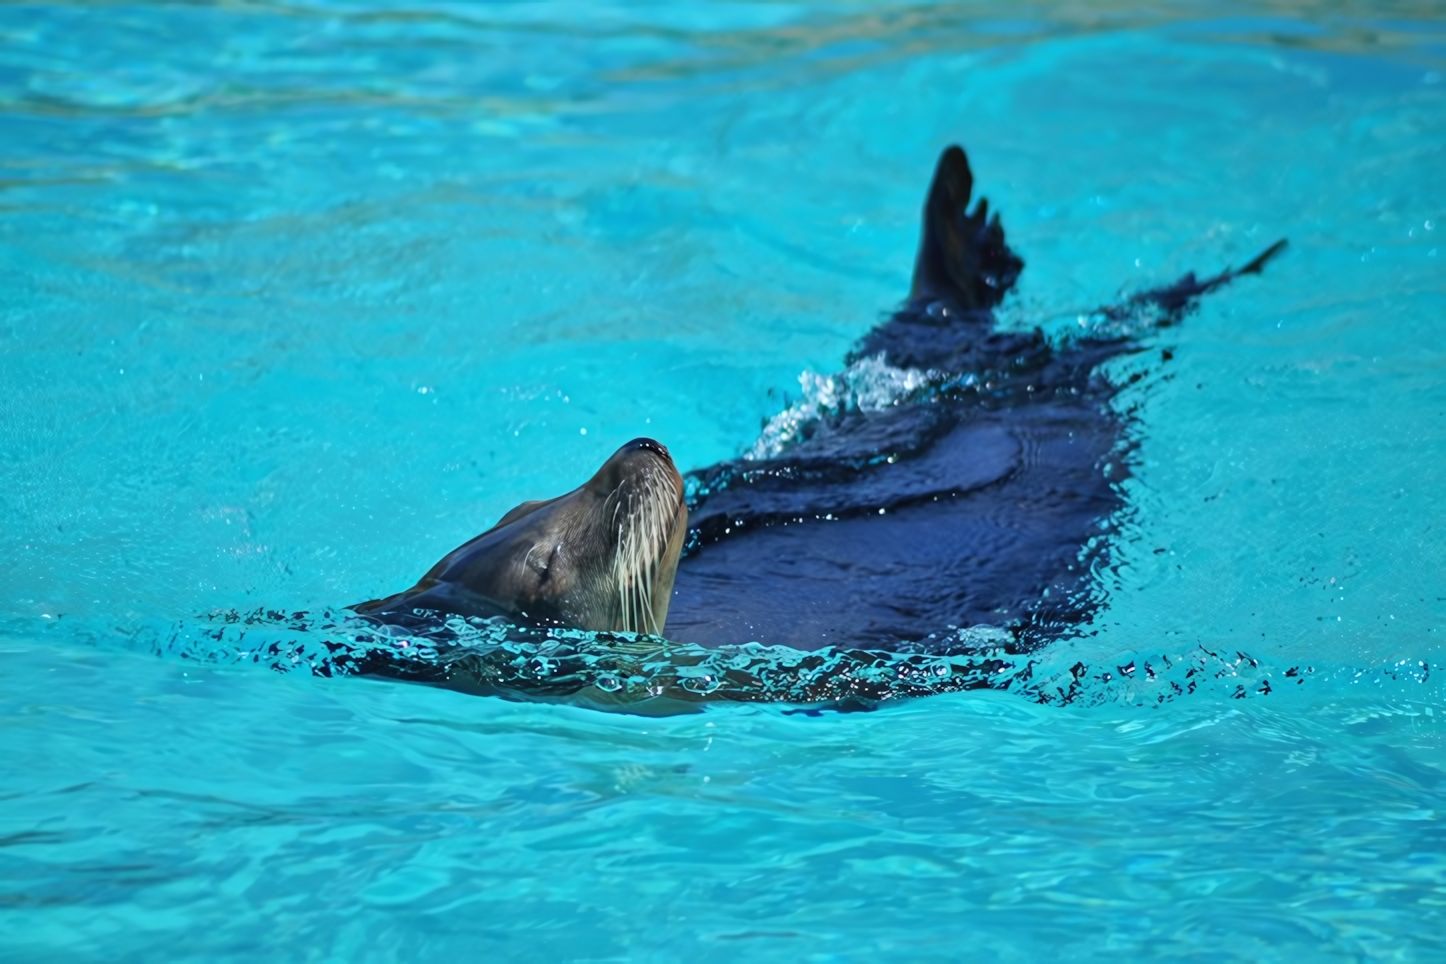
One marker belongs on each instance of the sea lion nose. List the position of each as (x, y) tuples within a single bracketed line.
[(650, 445), (621, 465)]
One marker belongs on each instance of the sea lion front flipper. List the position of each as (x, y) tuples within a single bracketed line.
[(1257, 263), (962, 256), (1171, 302)]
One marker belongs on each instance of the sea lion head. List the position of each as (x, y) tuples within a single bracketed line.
[(602, 557)]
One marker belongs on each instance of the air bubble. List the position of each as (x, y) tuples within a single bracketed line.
[(706, 683)]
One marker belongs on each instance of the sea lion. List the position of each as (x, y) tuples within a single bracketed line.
[(602, 557), (959, 475), (950, 494)]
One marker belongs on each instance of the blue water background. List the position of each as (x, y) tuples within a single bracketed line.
[(295, 298)]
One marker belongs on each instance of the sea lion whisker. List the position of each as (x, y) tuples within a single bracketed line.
[(642, 538), (645, 603), (619, 576), (652, 621), (638, 548)]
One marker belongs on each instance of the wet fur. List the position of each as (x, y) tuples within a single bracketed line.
[(602, 557), (983, 497)]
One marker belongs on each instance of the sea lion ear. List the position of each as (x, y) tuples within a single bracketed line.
[(962, 256)]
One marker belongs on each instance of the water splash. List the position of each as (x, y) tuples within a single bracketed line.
[(869, 385), (650, 674)]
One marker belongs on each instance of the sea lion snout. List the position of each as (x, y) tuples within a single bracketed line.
[(650, 445), (638, 457), (643, 444)]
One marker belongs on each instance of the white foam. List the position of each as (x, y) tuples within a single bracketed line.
[(869, 385)]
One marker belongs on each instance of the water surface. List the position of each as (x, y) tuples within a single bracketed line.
[(297, 298)]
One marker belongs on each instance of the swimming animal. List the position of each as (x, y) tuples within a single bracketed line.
[(602, 557), (976, 490), (958, 477)]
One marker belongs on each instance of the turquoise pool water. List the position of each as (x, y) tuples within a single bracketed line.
[(295, 298)]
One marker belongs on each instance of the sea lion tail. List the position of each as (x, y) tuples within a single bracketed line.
[(962, 255)]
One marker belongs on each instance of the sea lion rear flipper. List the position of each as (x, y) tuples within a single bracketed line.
[(962, 256), (963, 269)]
